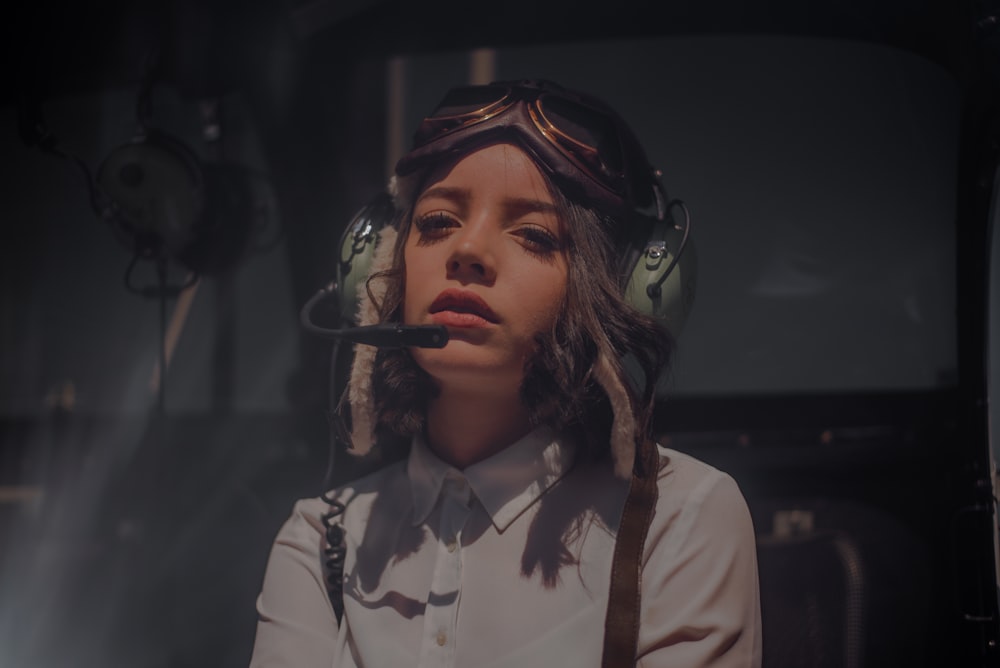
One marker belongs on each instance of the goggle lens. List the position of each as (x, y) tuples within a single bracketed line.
[(582, 134), (461, 107), (589, 129)]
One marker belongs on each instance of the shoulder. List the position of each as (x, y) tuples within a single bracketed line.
[(682, 475), (391, 477), (695, 499), (700, 595), (384, 493), (687, 480), (296, 620), (307, 517)]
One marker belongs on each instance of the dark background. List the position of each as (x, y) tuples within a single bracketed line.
[(839, 160)]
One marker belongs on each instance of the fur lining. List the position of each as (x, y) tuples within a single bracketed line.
[(623, 427), (393, 189), (359, 392)]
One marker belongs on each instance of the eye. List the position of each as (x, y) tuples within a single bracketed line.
[(434, 225), (538, 240)]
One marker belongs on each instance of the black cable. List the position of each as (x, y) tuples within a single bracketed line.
[(144, 99), (335, 548), (161, 289), (162, 380), (334, 553), (34, 131), (334, 422), (93, 194)]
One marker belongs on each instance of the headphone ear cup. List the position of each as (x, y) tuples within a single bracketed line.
[(155, 185), (667, 298), (355, 253)]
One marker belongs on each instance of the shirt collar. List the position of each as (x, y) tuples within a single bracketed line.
[(507, 483)]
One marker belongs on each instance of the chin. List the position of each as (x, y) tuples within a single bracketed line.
[(459, 367)]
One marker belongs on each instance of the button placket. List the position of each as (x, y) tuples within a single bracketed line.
[(444, 595)]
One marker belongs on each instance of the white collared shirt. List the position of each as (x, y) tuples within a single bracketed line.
[(507, 564)]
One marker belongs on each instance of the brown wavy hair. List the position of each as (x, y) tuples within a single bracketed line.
[(559, 387)]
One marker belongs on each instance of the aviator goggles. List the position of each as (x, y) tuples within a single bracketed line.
[(580, 141)]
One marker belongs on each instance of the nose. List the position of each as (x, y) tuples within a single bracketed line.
[(473, 255)]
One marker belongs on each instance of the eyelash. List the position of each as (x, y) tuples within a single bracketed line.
[(535, 239), (433, 226), (538, 240)]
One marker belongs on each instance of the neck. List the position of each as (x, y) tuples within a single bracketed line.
[(464, 427)]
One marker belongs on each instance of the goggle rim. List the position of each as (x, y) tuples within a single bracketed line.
[(475, 116), (593, 166), (559, 138)]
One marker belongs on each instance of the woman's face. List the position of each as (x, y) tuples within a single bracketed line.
[(484, 257)]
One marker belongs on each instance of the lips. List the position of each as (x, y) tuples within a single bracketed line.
[(462, 308)]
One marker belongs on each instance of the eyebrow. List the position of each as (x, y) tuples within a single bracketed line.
[(455, 194), (519, 206), (515, 206)]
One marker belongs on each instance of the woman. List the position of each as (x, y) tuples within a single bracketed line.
[(531, 520)]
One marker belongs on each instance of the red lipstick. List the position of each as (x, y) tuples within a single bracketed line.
[(461, 308)]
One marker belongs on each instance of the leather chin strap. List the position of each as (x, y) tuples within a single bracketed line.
[(621, 624)]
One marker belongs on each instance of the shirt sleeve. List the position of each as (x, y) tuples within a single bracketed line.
[(296, 627), (700, 594)]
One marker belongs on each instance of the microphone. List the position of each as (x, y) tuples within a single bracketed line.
[(382, 336)]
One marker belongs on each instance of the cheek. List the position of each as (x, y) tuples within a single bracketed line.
[(408, 298), (546, 297), (555, 304), (411, 285)]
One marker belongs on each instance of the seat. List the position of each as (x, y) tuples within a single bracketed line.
[(843, 585), (812, 600)]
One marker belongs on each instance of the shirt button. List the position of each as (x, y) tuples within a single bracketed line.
[(442, 638), (452, 546)]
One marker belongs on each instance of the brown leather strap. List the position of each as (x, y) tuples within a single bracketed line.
[(621, 623)]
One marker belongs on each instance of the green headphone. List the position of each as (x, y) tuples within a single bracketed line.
[(662, 282), (663, 279)]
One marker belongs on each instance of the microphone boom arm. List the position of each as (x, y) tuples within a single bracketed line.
[(381, 336)]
